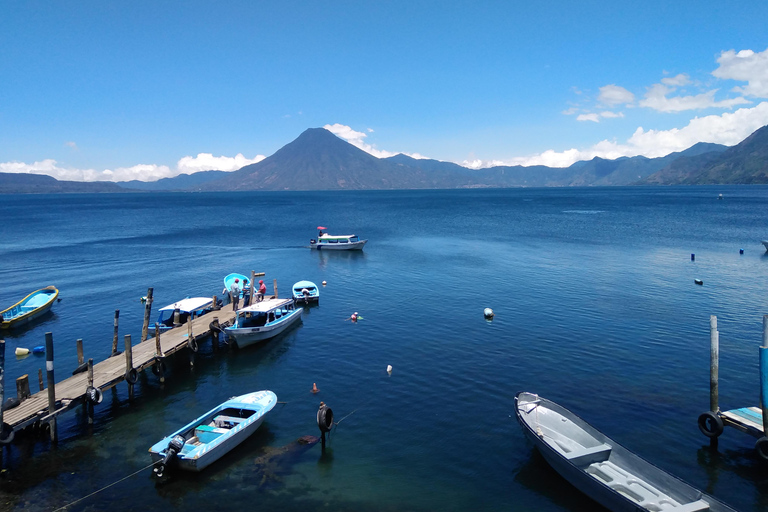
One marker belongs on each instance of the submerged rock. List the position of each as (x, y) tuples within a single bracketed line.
[(277, 462)]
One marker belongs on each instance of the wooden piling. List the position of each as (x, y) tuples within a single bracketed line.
[(215, 333), (147, 313), (89, 406), (215, 306), (176, 317), (158, 355), (79, 352), (129, 365), (191, 343), (22, 388), (251, 297), (764, 375), (51, 385), (114, 336), (40, 378), (274, 283), (714, 364)]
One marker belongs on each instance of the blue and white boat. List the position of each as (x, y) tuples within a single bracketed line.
[(191, 307), (328, 242), (198, 444), (306, 291), (243, 283), (28, 308), (263, 320)]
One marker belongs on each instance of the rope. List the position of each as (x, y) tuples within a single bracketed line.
[(105, 487)]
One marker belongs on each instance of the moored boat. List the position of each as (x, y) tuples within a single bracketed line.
[(29, 308), (602, 469), (263, 320), (191, 307), (243, 283), (306, 291), (336, 242), (198, 444)]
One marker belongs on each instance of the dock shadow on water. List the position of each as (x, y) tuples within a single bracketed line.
[(276, 463)]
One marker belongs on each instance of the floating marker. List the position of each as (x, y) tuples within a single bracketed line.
[(40, 349), (488, 313), (389, 369), (693, 257), (324, 283), (22, 351), (741, 251), (314, 388), (698, 281)]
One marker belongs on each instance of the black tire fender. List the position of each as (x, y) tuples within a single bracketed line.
[(192, 344), (761, 447), (7, 434), (157, 367), (131, 376), (94, 395), (711, 425), (325, 418)]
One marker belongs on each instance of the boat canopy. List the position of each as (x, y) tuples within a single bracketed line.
[(337, 237), (189, 304), (265, 306)]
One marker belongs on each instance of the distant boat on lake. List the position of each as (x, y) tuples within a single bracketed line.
[(600, 467), (328, 242), (29, 308)]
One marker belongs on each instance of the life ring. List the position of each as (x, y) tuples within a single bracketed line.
[(192, 344), (711, 425), (132, 376), (761, 447), (7, 434), (325, 418), (94, 395), (158, 368)]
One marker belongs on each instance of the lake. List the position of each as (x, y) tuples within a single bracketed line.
[(596, 308)]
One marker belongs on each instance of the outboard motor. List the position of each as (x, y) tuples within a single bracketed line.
[(312, 241), (174, 447)]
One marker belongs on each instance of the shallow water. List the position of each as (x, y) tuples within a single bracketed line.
[(596, 308)]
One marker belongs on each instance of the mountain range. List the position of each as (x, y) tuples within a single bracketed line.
[(318, 160)]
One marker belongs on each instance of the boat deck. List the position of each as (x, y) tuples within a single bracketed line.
[(70, 392), (746, 419)]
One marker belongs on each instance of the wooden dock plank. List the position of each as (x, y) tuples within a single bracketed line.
[(112, 370)]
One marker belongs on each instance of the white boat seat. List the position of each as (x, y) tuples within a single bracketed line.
[(694, 506), (589, 455)]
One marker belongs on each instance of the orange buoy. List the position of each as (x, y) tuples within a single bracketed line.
[(314, 388)]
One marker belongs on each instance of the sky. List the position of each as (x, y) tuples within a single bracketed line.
[(122, 90)]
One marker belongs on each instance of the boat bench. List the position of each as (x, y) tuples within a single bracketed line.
[(206, 433), (640, 492), (586, 456), (222, 421)]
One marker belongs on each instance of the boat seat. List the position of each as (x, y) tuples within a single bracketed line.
[(586, 456), (222, 421)]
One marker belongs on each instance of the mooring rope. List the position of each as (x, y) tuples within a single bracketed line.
[(105, 487)]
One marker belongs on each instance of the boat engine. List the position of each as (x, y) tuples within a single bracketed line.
[(174, 447)]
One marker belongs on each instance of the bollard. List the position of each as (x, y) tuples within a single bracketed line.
[(158, 345), (79, 352), (51, 385), (714, 363), (40, 378), (89, 404), (274, 283), (22, 388), (215, 306), (176, 317), (114, 336), (147, 312)]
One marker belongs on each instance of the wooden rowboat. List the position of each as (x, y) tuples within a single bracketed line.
[(29, 308), (601, 468)]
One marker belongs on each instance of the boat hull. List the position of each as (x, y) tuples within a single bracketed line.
[(352, 246), (599, 467), (247, 336), (313, 292), (29, 308)]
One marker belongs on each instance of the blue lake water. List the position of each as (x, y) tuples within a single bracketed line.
[(596, 308)]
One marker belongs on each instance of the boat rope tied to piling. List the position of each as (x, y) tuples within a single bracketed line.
[(106, 487)]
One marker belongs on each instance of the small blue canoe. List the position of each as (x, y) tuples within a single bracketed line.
[(231, 279), (306, 291), (200, 443), (29, 308)]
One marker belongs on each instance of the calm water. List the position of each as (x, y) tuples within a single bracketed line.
[(595, 305)]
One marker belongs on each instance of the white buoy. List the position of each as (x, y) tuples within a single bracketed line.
[(389, 369), (488, 313), (22, 351), (324, 283)]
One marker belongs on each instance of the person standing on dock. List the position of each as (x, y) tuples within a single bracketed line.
[(262, 290), (235, 294)]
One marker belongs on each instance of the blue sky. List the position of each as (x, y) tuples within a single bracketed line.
[(143, 90)]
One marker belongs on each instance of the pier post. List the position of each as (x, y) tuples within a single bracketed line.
[(159, 370), (274, 283), (253, 288), (215, 306), (114, 336), (176, 317), (22, 388), (714, 364), (79, 352), (147, 312), (40, 378), (88, 404), (764, 375), (130, 374), (51, 385), (191, 343), (215, 333)]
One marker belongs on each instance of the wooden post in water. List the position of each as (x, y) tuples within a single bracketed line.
[(40, 378), (215, 306), (764, 375), (714, 364), (89, 405), (147, 312), (114, 336), (215, 333), (129, 371), (79, 351), (51, 385), (159, 354), (191, 342), (22, 388), (274, 283)]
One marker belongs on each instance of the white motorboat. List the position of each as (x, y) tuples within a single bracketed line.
[(263, 320)]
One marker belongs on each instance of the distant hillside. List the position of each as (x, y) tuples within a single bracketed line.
[(22, 183), (180, 182), (744, 163)]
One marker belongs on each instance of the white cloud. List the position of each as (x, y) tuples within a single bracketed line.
[(676, 81), (357, 139), (142, 172), (615, 95), (656, 99), (746, 66), (609, 114), (71, 145), (589, 117)]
